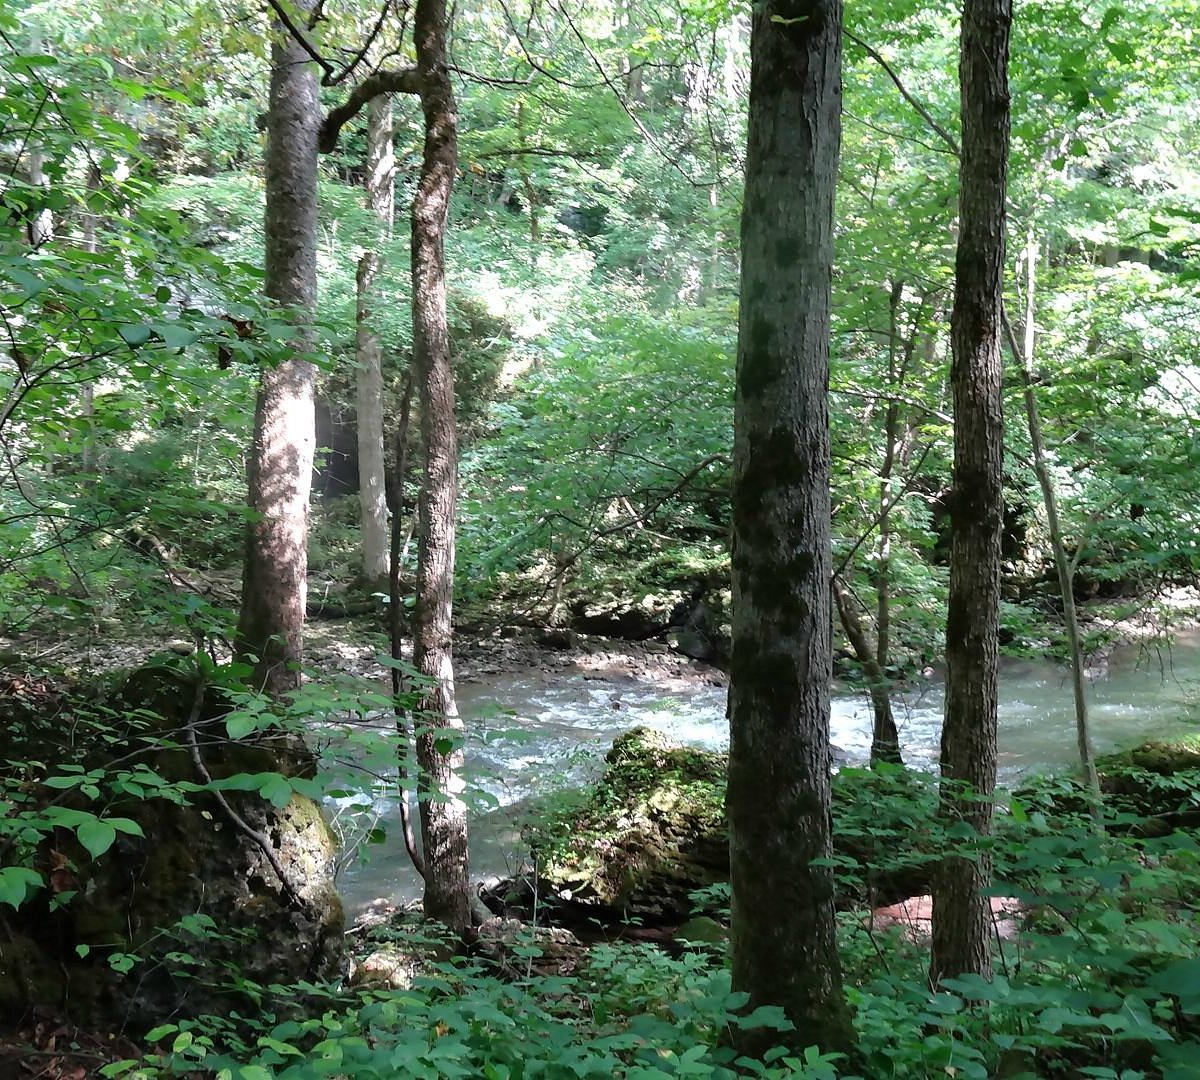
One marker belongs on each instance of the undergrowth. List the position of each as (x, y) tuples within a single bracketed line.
[(1100, 979)]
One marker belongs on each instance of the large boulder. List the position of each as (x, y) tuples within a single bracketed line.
[(188, 916), (653, 831), (1157, 781)]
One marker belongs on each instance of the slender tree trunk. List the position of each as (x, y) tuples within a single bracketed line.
[(41, 225), (372, 481), (395, 495), (88, 457), (274, 580), (961, 911), (531, 195), (1062, 562), (440, 734), (784, 948), (885, 739), (634, 65)]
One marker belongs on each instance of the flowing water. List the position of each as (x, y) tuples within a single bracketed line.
[(560, 725)]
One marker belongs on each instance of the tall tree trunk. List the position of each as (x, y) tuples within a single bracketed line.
[(1063, 566), (274, 580), (961, 911), (88, 456), (440, 735), (784, 948), (372, 482), (531, 195)]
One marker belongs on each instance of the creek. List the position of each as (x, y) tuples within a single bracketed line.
[(559, 725)]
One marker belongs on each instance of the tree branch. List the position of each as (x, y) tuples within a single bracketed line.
[(923, 112), (301, 38), (404, 81)]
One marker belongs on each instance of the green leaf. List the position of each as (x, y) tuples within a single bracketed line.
[(96, 836), (126, 825), (16, 883), (134, 334), (1181, 979), (177, 337), (276, 790), (239, 724), (279, 1047), (30, 283)]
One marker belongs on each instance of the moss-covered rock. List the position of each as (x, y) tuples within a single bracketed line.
[(1165, 757), (1157, 781), (168, 921), (1150, 789), (653, 831)]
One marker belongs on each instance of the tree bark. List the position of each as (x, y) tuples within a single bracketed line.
[(961, 911), (440, 729), (372, 482), (274, 580), (784, 947)]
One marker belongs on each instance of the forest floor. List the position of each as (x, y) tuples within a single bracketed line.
[(351, 646)]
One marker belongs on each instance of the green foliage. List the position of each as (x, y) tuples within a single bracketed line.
[(623, 419)]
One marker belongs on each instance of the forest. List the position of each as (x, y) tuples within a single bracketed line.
[(583, 538)]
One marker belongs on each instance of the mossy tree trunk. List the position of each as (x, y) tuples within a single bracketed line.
[(784, 947), (961, 911)]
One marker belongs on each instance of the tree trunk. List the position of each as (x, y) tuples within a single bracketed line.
[(784, 948), (41, 224), (440, 735), (1063, 566), (88, 456), (885, 739), (372, 483), (961, 911), (274, 580)]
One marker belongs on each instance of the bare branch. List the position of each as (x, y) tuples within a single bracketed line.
[(301, 38), (923, 112), (348, 70)]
